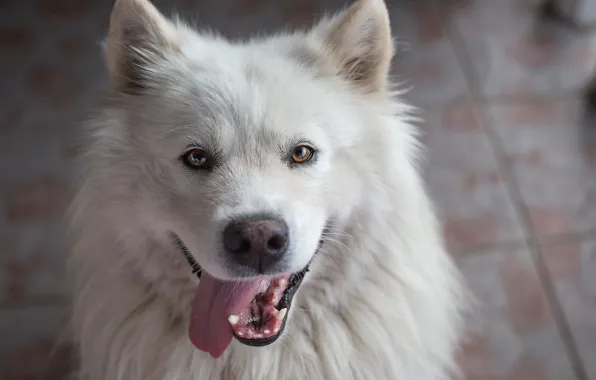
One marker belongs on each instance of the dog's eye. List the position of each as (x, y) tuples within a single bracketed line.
[(196, 158), (302, 154)]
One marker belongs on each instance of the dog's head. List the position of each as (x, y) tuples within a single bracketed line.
[(246, 153)]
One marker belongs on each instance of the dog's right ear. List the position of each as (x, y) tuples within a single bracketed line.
[(358, 41), (139, 36)]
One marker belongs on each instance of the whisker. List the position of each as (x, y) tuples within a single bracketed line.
[(334, 229), (340, 243), (337, 234), (330, 255)]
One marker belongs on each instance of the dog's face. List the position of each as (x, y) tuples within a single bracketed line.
[(247, 153)]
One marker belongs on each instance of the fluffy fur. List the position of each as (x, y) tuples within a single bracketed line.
[(382, 299)]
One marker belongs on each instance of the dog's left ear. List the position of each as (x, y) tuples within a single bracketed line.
[(359, 42), (139, 37)]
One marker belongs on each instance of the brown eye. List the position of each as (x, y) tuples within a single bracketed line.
[(196, 158), (302, 154)]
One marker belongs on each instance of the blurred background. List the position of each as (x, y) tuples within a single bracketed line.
[(511, 164)]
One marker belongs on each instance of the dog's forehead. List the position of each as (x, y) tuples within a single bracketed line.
[(250, 98)]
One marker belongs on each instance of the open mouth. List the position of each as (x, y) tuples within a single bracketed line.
[(263, 321), (257, 321)]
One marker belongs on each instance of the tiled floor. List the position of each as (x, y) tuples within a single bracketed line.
[(512, 165)]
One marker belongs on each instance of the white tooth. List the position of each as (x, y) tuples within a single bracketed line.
[(258, 336), (282, 282), (276, 330), (240, 333), (265, 285), (266, 331), (233, 319), (281, 314)]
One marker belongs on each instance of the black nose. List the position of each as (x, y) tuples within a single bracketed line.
[(257, 243)]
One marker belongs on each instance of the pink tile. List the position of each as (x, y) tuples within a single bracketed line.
[(515, 54), (301, 13), (32, 261), (425, 59), (33, 345), (17, 46), (66, 8), (11, 118), (240, 18), (54, 85), (573, 268), (239, 8), (513, 335), (465, 180), (35, 200), (551, 152), (6, 3), (16, 38)]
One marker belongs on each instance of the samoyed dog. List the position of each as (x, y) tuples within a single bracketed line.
[(254, 210)]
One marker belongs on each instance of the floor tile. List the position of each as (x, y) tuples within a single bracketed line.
[(573, 268), (425, 59), (551, 148), (32, 259), (514, 53), (513, 335), (32, 345), (465, 180)]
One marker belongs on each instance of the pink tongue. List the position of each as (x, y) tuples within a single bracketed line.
[(215, 300)]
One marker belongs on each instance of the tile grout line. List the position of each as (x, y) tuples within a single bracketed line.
[(551, 240), (568, 237), (504, 100), (512, 187)]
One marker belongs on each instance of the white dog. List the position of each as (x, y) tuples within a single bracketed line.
[(254, 211)]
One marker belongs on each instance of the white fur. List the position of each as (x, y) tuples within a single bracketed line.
[(382, 299)]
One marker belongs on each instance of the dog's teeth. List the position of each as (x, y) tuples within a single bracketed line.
[(264, 286), (240, 333), (282, 282), (258, 335), (281, 314), (267, 332), (233, 319)]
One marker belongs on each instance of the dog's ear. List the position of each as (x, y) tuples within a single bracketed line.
[(359, 42), (138, 37)]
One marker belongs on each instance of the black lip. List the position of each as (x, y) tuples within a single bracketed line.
[(286, 301), (196, 268)]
